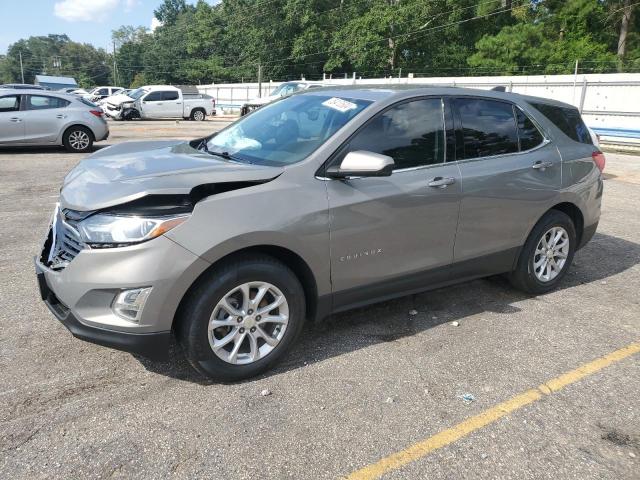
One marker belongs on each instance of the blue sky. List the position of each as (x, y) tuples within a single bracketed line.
[(87, 21)]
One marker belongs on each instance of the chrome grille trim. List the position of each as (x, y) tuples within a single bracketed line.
[(68, 243)]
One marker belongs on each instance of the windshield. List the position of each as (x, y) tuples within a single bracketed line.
[(136, 94), (286, 131), (286, 89)]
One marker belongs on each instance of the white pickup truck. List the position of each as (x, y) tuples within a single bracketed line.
[(161, 101)]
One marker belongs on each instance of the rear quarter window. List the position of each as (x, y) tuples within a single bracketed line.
[(568, 120), (528, 134)]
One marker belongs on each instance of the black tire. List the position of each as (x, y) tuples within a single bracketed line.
[(194, 315), (198, 115), (524, 277), (78, 139)]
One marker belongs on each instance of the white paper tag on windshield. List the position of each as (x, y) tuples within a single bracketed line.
[(339, 104)]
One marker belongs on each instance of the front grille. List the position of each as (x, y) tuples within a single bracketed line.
[(63, 242)]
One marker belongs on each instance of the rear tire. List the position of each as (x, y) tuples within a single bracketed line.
[(546, 255), (77, 139), (215, 311), (198, 115)]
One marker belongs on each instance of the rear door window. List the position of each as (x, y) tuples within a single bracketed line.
[(566, 119), (411, 133), (528, 134), (488, 127), (41, 102), (10, 103), (170, 96)]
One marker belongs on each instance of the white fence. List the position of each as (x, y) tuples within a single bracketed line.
[(610, 103)]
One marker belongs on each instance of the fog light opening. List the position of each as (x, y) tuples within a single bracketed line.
[(128, 304)]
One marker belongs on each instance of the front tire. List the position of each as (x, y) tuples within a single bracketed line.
[(241, 318), (546, 255), (77, 139)]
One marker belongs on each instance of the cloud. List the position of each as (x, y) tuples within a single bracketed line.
[(155, 23), (85, 10), (130, 5)]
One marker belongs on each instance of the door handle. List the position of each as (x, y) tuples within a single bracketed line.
[(61, 116), (178, 103), (540, 165), (15, 119), (442, 182)]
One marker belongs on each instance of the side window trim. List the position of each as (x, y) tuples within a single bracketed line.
[(338, 151), (450, 144)]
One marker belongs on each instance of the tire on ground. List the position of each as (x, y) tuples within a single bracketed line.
[(198, 114), (73, 137), (193, 317), (523, 277)]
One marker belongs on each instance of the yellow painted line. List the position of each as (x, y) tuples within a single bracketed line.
[(446, 437)]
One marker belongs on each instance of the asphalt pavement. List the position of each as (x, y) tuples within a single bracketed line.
[(358, 388)]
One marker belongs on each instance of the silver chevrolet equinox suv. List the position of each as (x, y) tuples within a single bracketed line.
[(315, 204)]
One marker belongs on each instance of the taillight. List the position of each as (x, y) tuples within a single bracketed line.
[(213, 100), (97, 113), (598, 159)]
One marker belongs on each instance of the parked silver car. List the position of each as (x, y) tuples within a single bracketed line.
[(314, 204), (36, 117)]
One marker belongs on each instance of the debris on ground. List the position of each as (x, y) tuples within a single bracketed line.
[(413, 312), (455, 324), (266, 392), (390, 400), (468, 397)]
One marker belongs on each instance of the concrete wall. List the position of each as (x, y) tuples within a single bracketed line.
[(610, 103)]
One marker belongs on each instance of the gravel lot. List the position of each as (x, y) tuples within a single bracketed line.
[(358, 387)]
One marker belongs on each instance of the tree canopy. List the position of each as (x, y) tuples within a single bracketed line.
[(203, 43)]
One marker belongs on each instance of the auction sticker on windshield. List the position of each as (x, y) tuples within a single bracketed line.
[(339, 104)]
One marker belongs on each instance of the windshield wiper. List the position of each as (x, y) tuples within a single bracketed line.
[(203, 146)]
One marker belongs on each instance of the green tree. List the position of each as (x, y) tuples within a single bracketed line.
[(169, 11)]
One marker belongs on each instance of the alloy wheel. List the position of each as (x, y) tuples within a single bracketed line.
[(248, 323), (198, 116), (550, 255), (79, 140)]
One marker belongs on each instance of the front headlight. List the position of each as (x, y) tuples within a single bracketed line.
[(105, 230)]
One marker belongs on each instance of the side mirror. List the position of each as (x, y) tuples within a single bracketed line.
[(362, 164)]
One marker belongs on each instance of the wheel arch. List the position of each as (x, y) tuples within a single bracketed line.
[(288, 257), (197, 109), (566, 207), (72, 125), (575, 214)]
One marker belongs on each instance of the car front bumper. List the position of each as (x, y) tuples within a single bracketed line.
[(151, 345), (81, 294)]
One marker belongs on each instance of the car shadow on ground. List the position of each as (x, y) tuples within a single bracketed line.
[(389, 321), (49, 149)]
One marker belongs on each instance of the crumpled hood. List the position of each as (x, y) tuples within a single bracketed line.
[(116, 100), (132, 170)]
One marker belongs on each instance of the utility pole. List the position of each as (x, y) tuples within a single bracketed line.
[(259, 81), (21, 69), (575, 80), (115, 66)]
